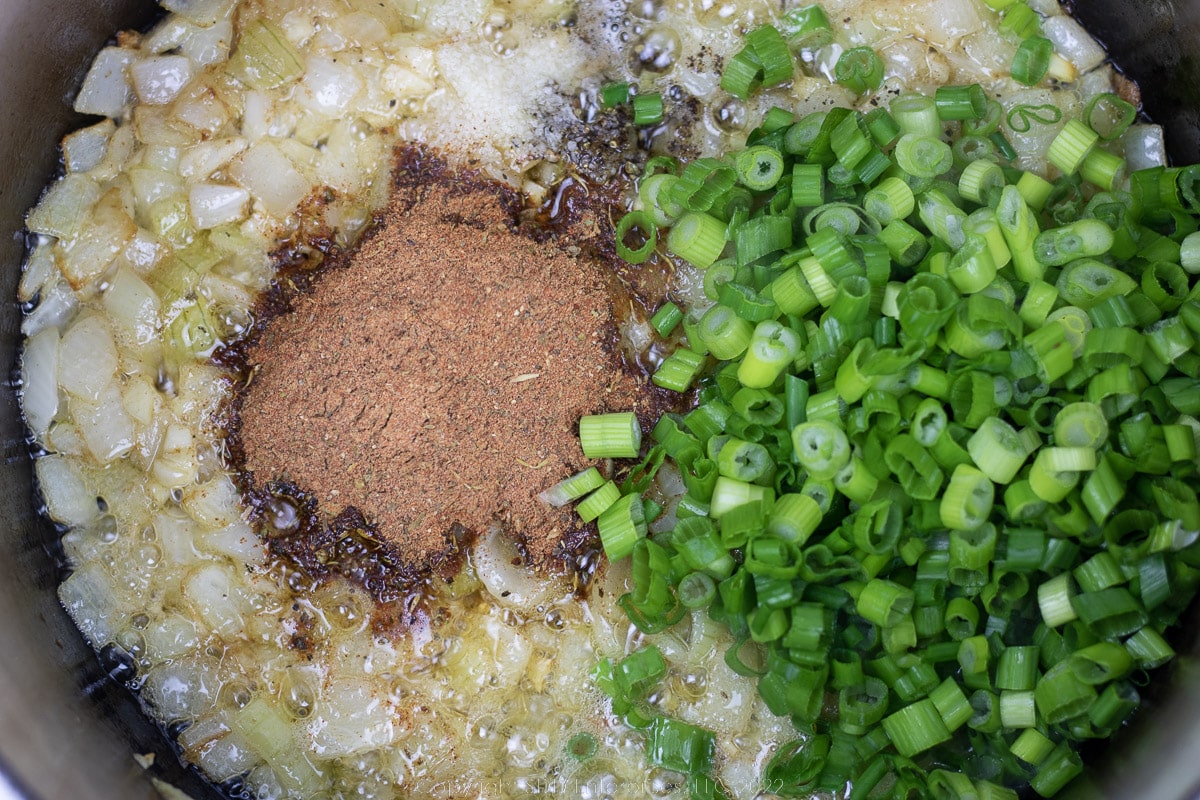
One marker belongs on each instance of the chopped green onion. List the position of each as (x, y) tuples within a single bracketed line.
[(916, 114), (764, 61), (666, 319), (762, 236), (697, 590), (967, 501), (572, 488), (821, 447), (916, 728), (641, 222), (678, 746), (1032, 746), (960, 102), (1021, 20), (678, 370), (1061, 695), (1057, 770), (1109, 612), (1102, 168), (598, 501), (616, 435), (884, 603), (724, 333), (892, 199), (697, 238), (997, 450), (795, 765), (859, 69), (656, 193), (621, 526), (1017, 668), (806, 27), (759, 167), (701, 183), (923, 156), (1071, 146), (581, 746), (772, 53), (1034, 189), (1109, 115), (729, 493), (647, 109), (744, 461), (1018, 709), (892, 349), (1085, 238), (615, 94), (1032, 60), (772, 349)]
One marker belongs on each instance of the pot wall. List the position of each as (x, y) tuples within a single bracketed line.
[(67, 731)]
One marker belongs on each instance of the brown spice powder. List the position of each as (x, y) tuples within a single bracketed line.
[(435, 382)]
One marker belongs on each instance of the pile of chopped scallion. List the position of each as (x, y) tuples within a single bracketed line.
[(941, 471)]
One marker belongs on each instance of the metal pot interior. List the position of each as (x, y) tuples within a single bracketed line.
[(68, 730)]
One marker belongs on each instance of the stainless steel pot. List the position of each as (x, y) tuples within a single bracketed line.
[(68, 731)]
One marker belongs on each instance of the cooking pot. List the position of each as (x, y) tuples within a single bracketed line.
[(68, 727)]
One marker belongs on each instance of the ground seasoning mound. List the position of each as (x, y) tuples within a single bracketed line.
[(433, 384)]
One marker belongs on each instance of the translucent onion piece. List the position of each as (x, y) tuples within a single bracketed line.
[(88, 358), (106, 88), (214, 204), (86, 147), (160, 79), (270, 177), (1073, 43), (39, 392), (67, 497)]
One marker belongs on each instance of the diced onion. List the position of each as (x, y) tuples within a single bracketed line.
[(227, 757), (351, 718), (159, 79), (106, 89), (91, 598), (1073, 43), (86, 147), (88, 358), (67, 497), (329, 85), (214, 204), (170, 636), (238, 541), (39, 271), (216, 504), (57, 306), (133, 308), (270, 177), (510, 584), (209, 45), (65, 207), (183, 689), (88, 255), (106, 428), (210, 590), (39, 393), (202, 12), (204, 158), (1145, 147)]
